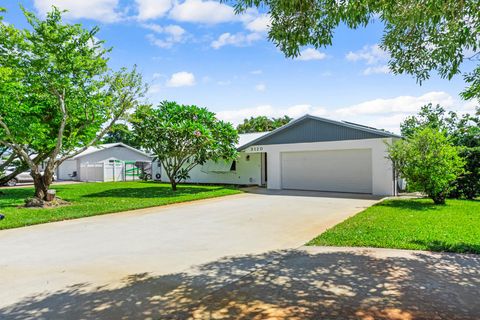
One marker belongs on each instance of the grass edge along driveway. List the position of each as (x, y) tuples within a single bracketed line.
[(415, 224), (90, 199)]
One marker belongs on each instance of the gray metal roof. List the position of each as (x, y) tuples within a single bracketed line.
[(105, 146), (315, 129)]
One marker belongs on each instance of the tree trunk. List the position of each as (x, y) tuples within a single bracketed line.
[(42, 183), (439, 199), (174, 184)]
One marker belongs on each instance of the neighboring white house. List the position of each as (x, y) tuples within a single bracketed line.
[(105, 162), (309, 153), (246, 170)]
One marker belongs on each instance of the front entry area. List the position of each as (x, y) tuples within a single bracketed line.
[(328, 170)]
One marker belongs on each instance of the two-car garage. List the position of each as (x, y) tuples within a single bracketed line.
[(312, 153), (328, 170)]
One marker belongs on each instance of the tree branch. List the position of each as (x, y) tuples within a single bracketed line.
[(61, 130)]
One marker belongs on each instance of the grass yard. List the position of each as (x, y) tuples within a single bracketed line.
[(410, 224), (90, 199)]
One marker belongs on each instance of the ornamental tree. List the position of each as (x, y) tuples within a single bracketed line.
[(428, 161), (58, 96), (183, 136), (420, 36)]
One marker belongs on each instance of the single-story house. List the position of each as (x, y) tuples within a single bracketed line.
[(104, 162), (309, 153)]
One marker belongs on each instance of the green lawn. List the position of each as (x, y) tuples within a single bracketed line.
[(410, 224), (89, 199)]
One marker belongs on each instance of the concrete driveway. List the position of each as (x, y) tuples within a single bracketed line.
[(103, 250), (236, 257)]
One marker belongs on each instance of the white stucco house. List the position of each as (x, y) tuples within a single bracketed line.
[(104, 162), (309, 153)]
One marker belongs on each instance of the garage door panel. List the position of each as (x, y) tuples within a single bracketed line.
[(332, 170)]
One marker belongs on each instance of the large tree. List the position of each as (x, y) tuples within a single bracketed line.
[(262, 124), (428, 161), (58, 95), (183, 136), (420, 36)]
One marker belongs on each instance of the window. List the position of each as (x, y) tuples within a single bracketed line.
[(233, 167)]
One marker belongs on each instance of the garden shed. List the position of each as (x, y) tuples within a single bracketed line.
[(106, 162)]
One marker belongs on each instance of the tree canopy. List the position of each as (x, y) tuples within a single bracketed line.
[(58, 95), (183, 136), (120, 132), (420, 36), (262, 124)]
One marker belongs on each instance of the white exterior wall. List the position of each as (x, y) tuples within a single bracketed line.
[(66, 169), (382, 175), (246, 173), (114, 153)]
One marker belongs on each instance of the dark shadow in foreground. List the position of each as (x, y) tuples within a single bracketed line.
[(292, 284)]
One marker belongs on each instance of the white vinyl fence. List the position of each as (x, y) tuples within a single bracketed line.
[(102, 172), (113, 171)]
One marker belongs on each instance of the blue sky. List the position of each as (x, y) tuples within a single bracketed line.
[(199, 52)]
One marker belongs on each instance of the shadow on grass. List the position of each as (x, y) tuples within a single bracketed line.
[(442, 246), (410, 204), (149, 192), (14, 197), (285, 285)]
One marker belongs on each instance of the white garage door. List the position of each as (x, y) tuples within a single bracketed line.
[(332, 170)]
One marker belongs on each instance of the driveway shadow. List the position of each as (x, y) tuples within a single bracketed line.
[(292, 284), (306, 193)]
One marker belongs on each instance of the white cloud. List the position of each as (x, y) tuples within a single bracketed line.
[(384, 113), (237, 39), (153, 89), (258, 71), (261, 87), (151, 9), (401, 104), (369, 54), (383, 69), (100, 10), (161, 43), (153, 27), (259, 24), (175, 31), (181, 79), (172, 34), (311, 54), (208, 12), (224, 82), (237, 116)]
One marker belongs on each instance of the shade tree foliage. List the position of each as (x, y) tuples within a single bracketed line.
[(58, 95), (420, 37)]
